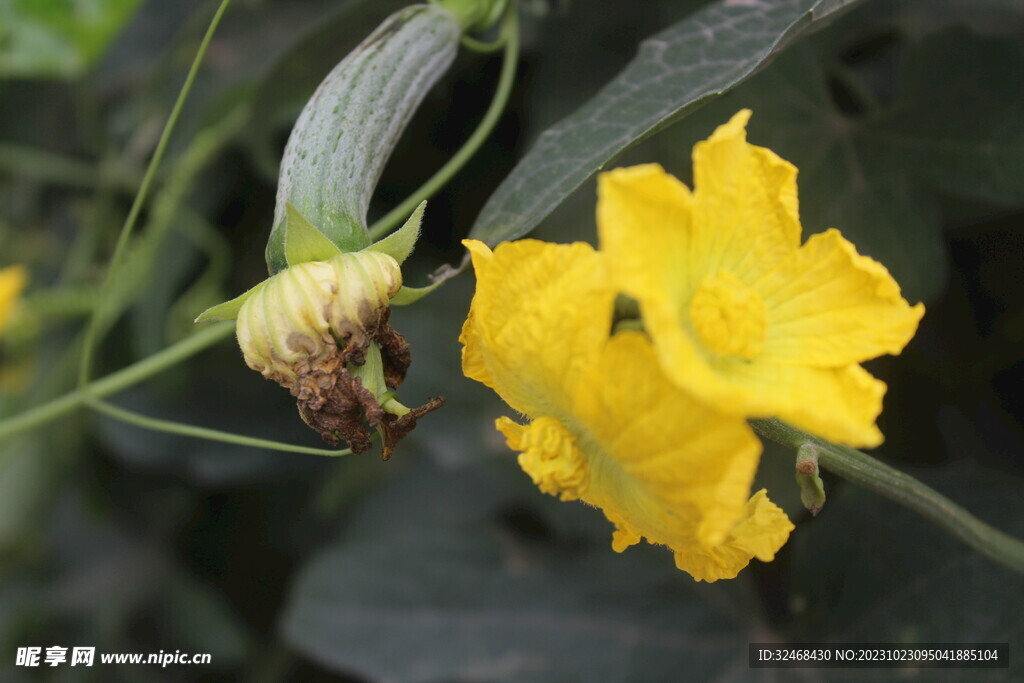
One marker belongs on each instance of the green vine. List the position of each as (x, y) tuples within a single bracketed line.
[(93, 332), (862, 469)]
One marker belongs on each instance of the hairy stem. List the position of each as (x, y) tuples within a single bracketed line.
[(876, 476)]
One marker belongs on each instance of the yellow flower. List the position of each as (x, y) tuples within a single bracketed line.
[(12, 281), (742, 315), (607, 426)]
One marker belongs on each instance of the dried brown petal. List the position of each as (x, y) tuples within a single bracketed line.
[(394, 428), (340, 412), (395, 355)]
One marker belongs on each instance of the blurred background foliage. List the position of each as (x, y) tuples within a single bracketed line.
[(446, 564)]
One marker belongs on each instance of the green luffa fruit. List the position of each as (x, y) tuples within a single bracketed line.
[(347, 130)]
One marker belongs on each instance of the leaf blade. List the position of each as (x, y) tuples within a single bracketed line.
[(470, 599), (695, 60)]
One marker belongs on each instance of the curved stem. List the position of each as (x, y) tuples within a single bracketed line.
[(862, 469), (92, 334), (483, 47), (126, 377), (510, 36), (204, 432)]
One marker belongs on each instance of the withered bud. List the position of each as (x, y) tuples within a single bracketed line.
[(300, 317), (310, 327)]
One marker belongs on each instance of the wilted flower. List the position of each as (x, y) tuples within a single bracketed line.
[(319, 328)]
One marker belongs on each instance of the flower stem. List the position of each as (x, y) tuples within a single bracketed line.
[(126, 377), (204, 432), (483, 47), (876, 476), (510, 36), (93, 333)]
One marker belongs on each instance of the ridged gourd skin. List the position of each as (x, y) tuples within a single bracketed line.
[(346, 132)]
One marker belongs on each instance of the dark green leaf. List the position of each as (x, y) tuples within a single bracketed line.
[(675, 71), (454, 576), (253, 407), (956, 120), (201, 620)]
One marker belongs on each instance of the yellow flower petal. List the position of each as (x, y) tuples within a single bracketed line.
[(760, 534), (549, 455), (670, 469), (659, 465), (741, 315), (608, 427), (644, 219), (12, 282), (837, 404), (746, 215), (538, 317), (832, 307)]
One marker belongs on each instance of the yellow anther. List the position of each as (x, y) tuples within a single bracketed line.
[(729, 317)]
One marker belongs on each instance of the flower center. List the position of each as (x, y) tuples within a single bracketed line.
[(729, 317)]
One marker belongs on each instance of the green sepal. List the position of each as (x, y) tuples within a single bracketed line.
[(371, 372), (408, 295), (812, 488), (399, 244), (302, 241), (229, 309)]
